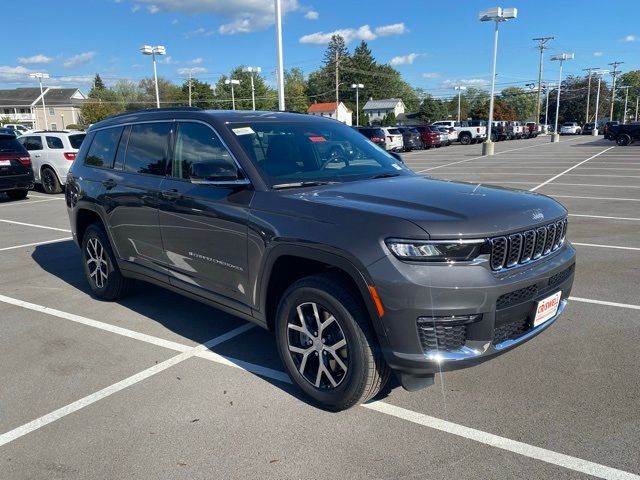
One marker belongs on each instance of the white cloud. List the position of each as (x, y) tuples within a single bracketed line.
[(598, 54), (79, 59), (135, 8), (199, 32), (74, 79), (153, 9), (631, 38), (394, 29), (430, 75), (469, 82), (241, 16), (35, 59), (13, 74), (312, 15), (196, 61), (167, 60), (194, 71), (404, 59), (350, 34)]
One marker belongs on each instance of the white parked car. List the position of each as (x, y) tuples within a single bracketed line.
[(51, 156), (570, 128), (19, 128), (393, 139)]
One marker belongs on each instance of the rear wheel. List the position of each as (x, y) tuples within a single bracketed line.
[(465, 139), (623, 140), (326, 343), (50, 182), (100, 267), (17, 194)]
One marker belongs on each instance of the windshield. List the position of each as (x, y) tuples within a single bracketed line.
[(288, 152)]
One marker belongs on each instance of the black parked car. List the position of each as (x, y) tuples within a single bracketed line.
[(358, 265), (16, 175), (410, 138), (624, 134), (587, 128), (375, 134), (608, 130)]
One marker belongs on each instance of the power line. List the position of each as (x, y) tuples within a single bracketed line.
[(614, 74), (542, 46)]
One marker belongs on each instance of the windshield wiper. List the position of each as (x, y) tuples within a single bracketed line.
[(385, 175), (311, 183)]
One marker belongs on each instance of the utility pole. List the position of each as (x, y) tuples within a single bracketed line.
[(542, 45), (190, 87), (589, 90), (280, 68), (337, 79), (614, 74), (637, 102), (626, 99)]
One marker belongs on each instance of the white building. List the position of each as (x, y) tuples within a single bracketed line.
[(378, 109), (341, 113), (24, 106)]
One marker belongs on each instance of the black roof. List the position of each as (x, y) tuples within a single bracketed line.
[(24, 97)]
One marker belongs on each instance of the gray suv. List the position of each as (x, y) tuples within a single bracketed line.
[(304, 226)]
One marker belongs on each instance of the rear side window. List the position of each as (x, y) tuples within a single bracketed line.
[(103, 148), (196, 143), (32, 143), (76, 140), (54, 143), (147, 148), (394, 131), (10, 145)]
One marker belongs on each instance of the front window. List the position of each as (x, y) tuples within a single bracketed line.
[(291, 152)]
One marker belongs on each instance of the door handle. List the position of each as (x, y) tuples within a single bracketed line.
[(171, 194), (109, 184), (37, 155)]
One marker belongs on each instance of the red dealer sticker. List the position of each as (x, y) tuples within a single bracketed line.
[(547, 308), (317, 139)]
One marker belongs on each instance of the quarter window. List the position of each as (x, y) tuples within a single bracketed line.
[(54, 143), (103, 148), (196, 143), (147, 148), (32, 143)]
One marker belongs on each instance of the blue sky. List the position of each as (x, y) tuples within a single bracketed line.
[(436, 44)]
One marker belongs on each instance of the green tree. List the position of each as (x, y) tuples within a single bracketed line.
[(573, 101), (97, 88), (321, 85), (629, 79), (170, 93), (431, 109), (389, 119), (201, 94), (522, 102), (95, 110), (266, 97), (294, 90), (476, 101)]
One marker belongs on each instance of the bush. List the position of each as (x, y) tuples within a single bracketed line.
[(75, 126)]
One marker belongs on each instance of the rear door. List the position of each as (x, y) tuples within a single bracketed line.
[(204, 227), (35, 147)]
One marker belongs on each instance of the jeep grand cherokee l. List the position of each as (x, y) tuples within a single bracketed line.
[(302, 225)]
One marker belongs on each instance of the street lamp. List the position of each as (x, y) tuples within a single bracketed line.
[(547, 89), (561, 57), (459, 89), (153, 51), (232, 82), (252, 70), (357, 86), (599, 74), (626, 100), (40, 76), (497, 15), (280, 69), (590, 70)]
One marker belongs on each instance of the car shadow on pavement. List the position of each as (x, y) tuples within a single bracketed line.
[(187, 318)]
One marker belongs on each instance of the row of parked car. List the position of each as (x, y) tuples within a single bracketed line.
[(37, 157)]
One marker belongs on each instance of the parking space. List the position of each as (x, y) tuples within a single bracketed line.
[(160, 386)]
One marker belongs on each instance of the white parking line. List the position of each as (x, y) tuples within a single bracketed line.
[(604, 217), (116, 387), (569, 169), (608, 304), (36, 226), (586, 185), (524, 449), (45, 196), (46, 242), (597, 198), (17, 204), (615, 247)]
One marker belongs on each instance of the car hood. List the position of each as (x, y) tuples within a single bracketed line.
[(444, 209)]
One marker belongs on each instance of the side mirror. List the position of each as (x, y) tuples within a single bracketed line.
[(215, 172)]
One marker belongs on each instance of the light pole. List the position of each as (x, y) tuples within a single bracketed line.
[(232, 82), (357, 86), (599, 73), (153, 51), (497, 15), (542, 46), (590, 69), (40, 76), (459, 88), (562, 57), (251, 71), (626, 100), (637, 102), (547, 89), (280, 69), (614, 74)]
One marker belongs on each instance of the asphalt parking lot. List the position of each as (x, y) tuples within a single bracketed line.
[(159, 386)]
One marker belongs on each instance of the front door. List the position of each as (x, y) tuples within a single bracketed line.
[(204, 227)]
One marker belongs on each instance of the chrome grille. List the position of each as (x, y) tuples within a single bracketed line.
[(522, 247)]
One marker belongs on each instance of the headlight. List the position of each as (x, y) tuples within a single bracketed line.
[(435, 250)]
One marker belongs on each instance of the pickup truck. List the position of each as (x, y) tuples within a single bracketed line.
[(531, 129), (624, 134), (499, 131), (468, 131), (516, 130)]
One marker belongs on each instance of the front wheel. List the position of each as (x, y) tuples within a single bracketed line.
[(623, 140), (327, 344), (465, 139)]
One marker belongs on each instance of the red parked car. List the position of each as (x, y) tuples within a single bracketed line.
[(430, 136)]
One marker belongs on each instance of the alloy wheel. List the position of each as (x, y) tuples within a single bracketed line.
[(318, 346), (97, 262), (48, 181)]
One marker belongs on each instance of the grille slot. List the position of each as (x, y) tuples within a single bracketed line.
[(509, 331), (439, 336), (517, 296), (561, 276), (522, 247)]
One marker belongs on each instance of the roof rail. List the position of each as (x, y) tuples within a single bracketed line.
[(154, 110)]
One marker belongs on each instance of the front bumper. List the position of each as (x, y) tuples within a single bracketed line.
[(410, 291)]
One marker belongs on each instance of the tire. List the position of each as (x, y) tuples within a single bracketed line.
[(17, 194), (623, 140), (50, 182), (100, 266), (465, 139), (313, 363), (493, 137)]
